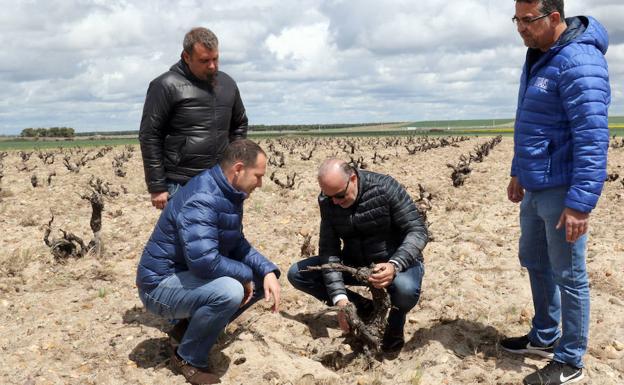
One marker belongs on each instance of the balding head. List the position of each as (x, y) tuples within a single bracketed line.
[(338, 182), (334, 168)]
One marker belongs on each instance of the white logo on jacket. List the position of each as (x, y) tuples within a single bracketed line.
[(541, 83)]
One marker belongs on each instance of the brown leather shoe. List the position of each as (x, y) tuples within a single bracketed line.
[(195, 376)]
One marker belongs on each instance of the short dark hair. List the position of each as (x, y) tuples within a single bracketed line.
[(200, 35), (548, 6), (242, 150)]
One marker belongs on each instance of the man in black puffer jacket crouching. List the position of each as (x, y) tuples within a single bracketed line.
[(378, 223)]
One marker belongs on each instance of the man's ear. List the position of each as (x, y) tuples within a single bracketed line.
[(238, 167), (186, 57), (555, 18)]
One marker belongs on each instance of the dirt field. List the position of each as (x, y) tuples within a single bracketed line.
[(81, 322)]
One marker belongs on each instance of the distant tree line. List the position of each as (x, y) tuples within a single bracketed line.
[(52, 132), (309, 127), (108, 133)]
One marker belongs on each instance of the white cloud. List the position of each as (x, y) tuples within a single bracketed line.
[(88, 63)]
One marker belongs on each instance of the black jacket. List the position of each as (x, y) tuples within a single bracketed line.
[(383, 224), (186, 125)]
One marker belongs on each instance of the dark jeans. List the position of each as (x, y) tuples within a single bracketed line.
[(404, 290)]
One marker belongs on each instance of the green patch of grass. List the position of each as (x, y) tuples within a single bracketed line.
[(450, 124), (22, 144), (416, 378)]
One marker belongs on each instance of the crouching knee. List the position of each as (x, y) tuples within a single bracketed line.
[(231, 292), (293, 275), (406, 293)]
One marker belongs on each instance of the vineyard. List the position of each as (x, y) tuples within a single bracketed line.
[(73, 222)]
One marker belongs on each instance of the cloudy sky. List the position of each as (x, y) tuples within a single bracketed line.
[(87, 63)]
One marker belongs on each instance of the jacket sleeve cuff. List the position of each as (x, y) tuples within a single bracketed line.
[(397, 265), (273, 269), (339, 297)]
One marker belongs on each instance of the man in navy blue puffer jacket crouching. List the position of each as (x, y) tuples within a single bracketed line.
[(198, 267)]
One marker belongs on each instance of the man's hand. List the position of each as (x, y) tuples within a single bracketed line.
[(383, 275), (576, 223), (159, 199), (272, 289), (515, 192), (249, 288), (342, 316)]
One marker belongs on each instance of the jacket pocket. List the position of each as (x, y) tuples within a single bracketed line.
[(549, 156), (174, 146), (548, 171)]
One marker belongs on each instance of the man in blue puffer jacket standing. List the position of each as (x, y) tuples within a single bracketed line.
[(197, 265), (561, 138)]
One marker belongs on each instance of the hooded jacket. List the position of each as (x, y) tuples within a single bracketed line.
[(186, 125), (201, 230), (561, 134), (382, 225)]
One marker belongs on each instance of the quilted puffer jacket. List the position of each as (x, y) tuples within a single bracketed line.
[(200, 229), (383, 224), (561, 134), (186, 125)]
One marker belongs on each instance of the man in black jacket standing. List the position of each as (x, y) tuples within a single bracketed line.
[(190, 115), (377, 222)]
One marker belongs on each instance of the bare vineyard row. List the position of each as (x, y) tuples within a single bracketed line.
[(359, 151)]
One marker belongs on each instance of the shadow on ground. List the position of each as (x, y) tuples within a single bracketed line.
[(156, 352), (139, 316), (317, 323), (466, 339)]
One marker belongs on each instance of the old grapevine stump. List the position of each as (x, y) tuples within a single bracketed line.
[(99, 189), (73, 246), (371, 331), (70, 246)]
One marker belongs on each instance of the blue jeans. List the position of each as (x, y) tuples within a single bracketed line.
[(172, 188), (404, 291), (557, 274), (208, 304)]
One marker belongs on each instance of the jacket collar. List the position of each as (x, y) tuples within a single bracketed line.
[(360, 176), (580, 29), (576, 26), (228, 190), (183, 69)]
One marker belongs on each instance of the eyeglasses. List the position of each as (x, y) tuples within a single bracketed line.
[(528, 20), (340, 195)]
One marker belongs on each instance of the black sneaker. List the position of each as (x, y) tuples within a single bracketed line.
[(555, 373), (522, 345), (393, 340)]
